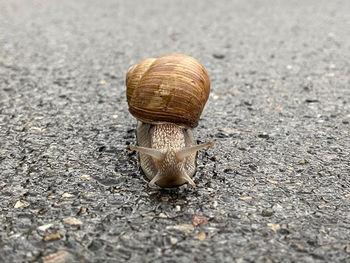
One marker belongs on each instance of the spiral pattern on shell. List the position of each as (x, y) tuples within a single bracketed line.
[(172, 88)]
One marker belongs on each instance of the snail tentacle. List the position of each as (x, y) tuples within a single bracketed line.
[(183, 153), (155, 179), (156, 154)]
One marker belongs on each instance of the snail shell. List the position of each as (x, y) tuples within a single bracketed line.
[(167, 96), (172, 88)]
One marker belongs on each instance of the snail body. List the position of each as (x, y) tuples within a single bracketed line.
[(167, 96)]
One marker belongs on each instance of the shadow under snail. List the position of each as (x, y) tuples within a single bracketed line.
[(167, 96)]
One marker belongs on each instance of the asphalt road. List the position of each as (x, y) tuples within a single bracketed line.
[(274, 188)]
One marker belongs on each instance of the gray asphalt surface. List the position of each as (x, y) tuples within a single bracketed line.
[(274, 188)]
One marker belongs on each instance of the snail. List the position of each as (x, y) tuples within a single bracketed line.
[(167, 96)]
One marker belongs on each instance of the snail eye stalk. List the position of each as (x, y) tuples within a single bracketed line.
[(156, 154), (187, 151)]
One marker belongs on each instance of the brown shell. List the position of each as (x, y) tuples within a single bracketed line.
[(173, 88)]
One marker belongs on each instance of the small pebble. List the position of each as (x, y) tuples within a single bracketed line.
[(263, 135), (267, 212), (73, 221), (173, 240), (45, 227), (58, 257), (228, 131), (246, 198), (198, 220), (82, 210), (272, 181), (185, 228), (201, 236), (67, 195), (347, 248), (218, 56), (86, 176), (274, 227), (52, 236), (311, 100), (284, 231), (303, 161), (162, 215), (20, 204)]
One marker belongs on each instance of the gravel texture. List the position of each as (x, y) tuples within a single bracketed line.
[(274, 188)]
